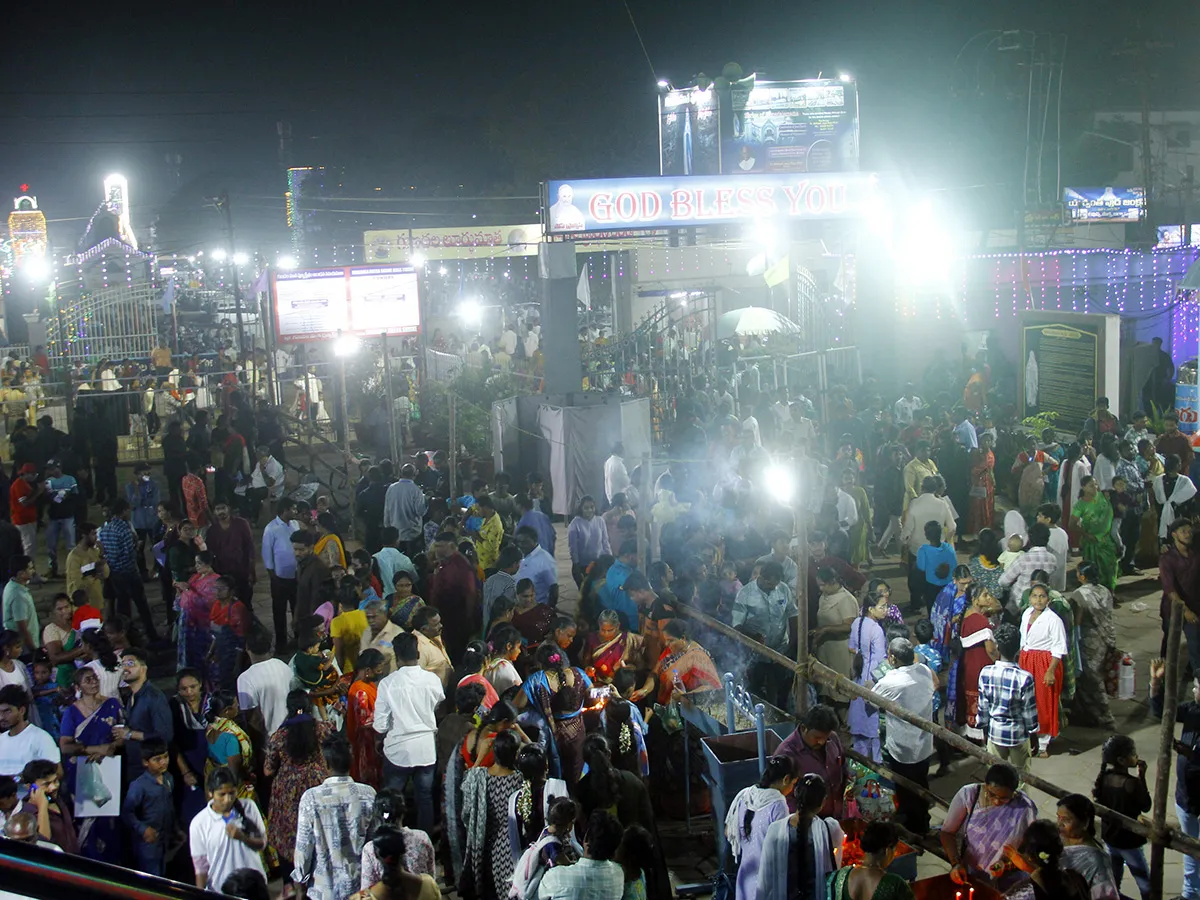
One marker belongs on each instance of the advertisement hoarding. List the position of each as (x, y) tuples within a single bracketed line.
[(475, 242), (690, 132), (608, 204), (316, 304), (791, 126), (1105, 204)]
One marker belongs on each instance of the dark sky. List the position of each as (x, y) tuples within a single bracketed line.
[(488, 95)]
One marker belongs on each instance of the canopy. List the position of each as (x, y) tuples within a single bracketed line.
[(754, 320)]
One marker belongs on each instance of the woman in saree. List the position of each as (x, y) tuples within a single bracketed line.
[(683, 663), (983, 818), (329, 547), (1074, 469), (228, 744), (860, 532), (193, 602), (1151, 465), (870, 879), (189, 746), (229, 621), (365, 764), (1092, 515), (868, 648), (787, 870), (1057, 453), (558, 692), (609, 648), (982, 509), (86, 741), (978, 650)]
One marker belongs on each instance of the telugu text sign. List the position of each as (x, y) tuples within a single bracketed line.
[(608, 204)]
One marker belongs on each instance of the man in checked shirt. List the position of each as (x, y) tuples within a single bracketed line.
[(1007, 711)]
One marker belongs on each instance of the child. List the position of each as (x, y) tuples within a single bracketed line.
[(728, 586), (314, 668), (936, 559), (45, 695), (1117, 789), (432, 527), (1049, 515), (227, 834), (8, 800), (229, 619), (116, 629), (148, 811), (85, 616), (1014, 549), (625, 725), (555, 847)]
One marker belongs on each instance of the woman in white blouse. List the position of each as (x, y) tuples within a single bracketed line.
[(1043, 649)]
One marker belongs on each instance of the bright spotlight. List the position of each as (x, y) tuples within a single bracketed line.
[(219, 254), (442, 270), (240, 259), (766, 236), (417, 258), (783, 485), (663, 83), (345, 345), (36, 269), (286, 262), (471, 312), (845, 77)]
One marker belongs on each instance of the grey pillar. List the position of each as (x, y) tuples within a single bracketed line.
[(560, 318)]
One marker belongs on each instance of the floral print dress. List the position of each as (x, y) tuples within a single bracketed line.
[(292, 779)]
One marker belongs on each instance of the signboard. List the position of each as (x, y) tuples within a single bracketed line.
[(1172, 236), (475, 242), (689, 126), (791, 126), (611, 204), (1061, 371), (1105, 204), (316, 304)]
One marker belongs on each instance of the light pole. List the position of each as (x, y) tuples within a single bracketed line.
[(344, 346)]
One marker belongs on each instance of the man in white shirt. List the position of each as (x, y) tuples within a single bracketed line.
[(616, 477), (404, 714), (595, 876), (927, 507), (263, 688), (1019, 574), (508, 340), (903, 409), (22, 741), (1049, 514), (908, 749)]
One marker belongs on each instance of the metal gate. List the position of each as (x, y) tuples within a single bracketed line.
[(113, 323)]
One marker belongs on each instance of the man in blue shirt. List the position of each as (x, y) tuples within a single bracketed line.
[(62, 493), (147, 713), (280, 561), (964, 431), (537, 520), (538, 566), (120, 544), (404, 508), (143, 496), (614, 581)]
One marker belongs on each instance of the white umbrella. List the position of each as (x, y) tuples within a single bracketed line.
[(754, 320)]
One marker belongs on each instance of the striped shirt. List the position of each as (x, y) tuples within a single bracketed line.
[(120, 545)]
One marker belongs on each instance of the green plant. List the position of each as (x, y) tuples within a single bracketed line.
[(1154, 418), (475, 390), (1039, 423)]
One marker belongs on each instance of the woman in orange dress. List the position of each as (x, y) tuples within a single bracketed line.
[(365, 766), (982, 509)]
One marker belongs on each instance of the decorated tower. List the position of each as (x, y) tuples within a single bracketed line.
[(116, 199), (27, 230)]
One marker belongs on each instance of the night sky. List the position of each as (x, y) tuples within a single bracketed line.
[(496, 97)]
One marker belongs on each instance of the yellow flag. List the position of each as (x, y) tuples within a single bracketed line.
[(778, 273)]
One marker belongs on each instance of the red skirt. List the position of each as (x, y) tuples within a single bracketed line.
[(1037, 663)]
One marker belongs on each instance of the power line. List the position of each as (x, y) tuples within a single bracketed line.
[(153, 115), (378, 199), (636, 31)]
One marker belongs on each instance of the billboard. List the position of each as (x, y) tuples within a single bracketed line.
[(608, 204), (1105, 204), (317, 304), (753, 127), (474, 242), (791, 126)]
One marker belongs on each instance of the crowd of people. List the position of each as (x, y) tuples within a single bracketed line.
[(421, 711)]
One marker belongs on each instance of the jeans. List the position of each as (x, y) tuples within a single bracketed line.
[(127, 586), (54, 529), (1189, 824), (151, 858), (1136, 860), (145, 538), (397, 777)]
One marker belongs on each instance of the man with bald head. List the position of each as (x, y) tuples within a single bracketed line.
[(22, 827)]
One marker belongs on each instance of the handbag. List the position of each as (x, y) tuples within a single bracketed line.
[(876, 803)]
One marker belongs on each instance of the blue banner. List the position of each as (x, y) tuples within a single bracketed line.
[(605, 204), (1105, 204)]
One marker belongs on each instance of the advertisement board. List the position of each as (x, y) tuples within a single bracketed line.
[(316, 304), (1061, 370), (690, 132), (607, 204), (791, 126), (475, 242), (1105, 204)]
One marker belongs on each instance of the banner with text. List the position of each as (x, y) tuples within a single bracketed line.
[(606, 204), (367, 301)]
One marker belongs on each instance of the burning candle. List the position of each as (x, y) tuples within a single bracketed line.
[(971, 894), (958, 895)]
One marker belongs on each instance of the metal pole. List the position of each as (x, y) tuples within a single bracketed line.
[(344, 403), (802, 623), (227, 211), (453, 448), (644, 534), (393, 444), (1166, 749)]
